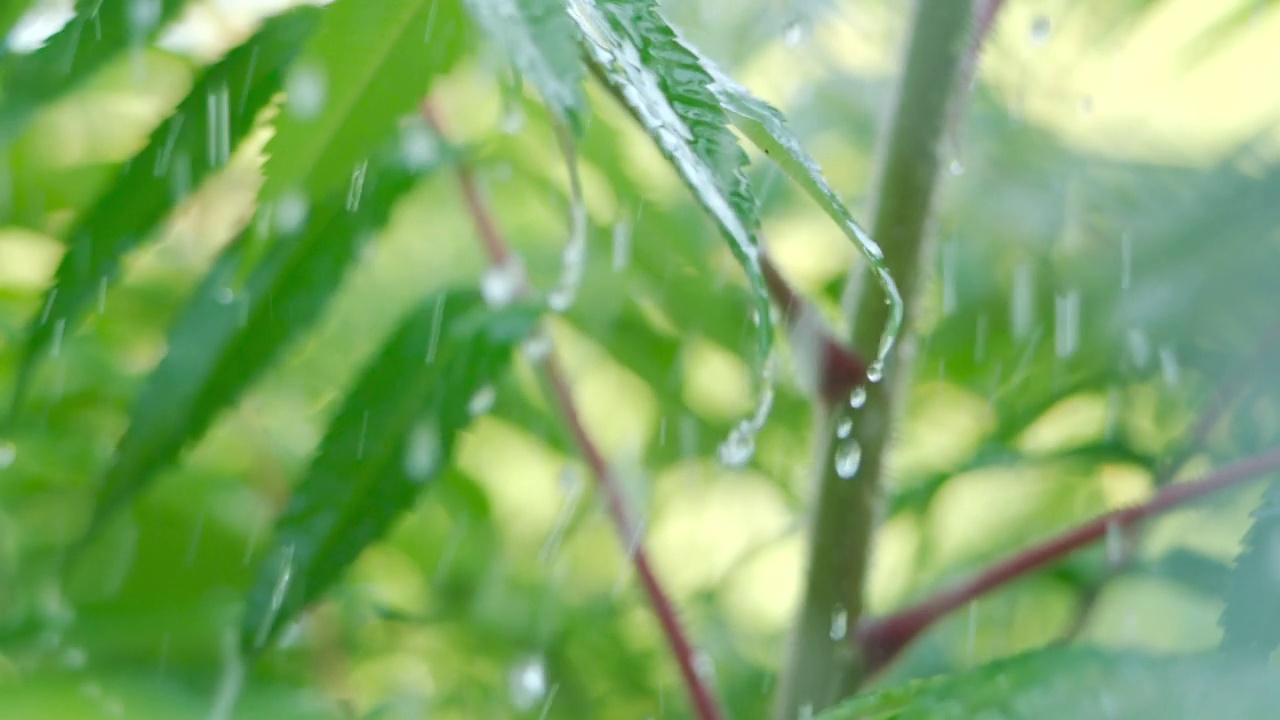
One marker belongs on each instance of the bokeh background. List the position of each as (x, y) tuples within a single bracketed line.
[(1106, 252)]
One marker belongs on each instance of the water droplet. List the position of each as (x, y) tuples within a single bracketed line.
[(1139, 346), (422, 451), (512, 121), (1041, 27), (144, 14), (794, 33), (839, 623), (875, 372), (1066, 323), (527, 683), (482, 401), (501, 283), (621, 245), (956, 168), (848, 458), (356, 189), (1169, 369), (1022, 304), (737, 449), (8, 454), (858, 397), (418, 146), (537, 347), (306, 91), (284, 575), (1115, 542), (844, 428), (290, 212), (224, 296), (704, 665)]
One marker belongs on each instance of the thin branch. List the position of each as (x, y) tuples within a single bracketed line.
[(881, 640), (629, 531)]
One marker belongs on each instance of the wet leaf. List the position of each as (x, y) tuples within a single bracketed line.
[(187, 148), (100, 32), (1079, 684), (243, 314), (393, 436), (665, 86), (540, 40), (368, 65), (1249, 622)]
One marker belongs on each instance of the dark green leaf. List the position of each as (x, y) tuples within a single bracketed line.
[(1250, 623), (1080, 684), (540, 40), (193, 143), (246, 312), (100, 31), (369, 64), (663, 83), (394, 434)]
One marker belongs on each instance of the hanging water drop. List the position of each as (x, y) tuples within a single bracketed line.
[(875, 372), (144, 15), (537, 347), (482, 401), (1041, 27), (794, 33), (8, 454), (858, 397), (501, 283), (956, 168), (848, 458), (306, 91), (422, 450), (844, 428), (839, 623), (527, 683), (737, 449), (418, 146)]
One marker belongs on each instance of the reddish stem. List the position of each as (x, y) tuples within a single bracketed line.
[(881, 640), (630, 532)]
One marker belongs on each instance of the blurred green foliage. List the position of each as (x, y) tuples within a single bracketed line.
[(1093, 291)]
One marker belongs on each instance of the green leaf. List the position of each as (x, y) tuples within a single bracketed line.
[(369, 64), (245, 312), (394, 434), (540, 40), (101, 31), (667, 89), (1080, 684), (191, 145), (1250, 623), (767, 129)]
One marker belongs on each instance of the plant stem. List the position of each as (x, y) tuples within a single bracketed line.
[(821, 669), (881, 640), (629, 531)]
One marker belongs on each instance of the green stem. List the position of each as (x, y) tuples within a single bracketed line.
[(822, 666)]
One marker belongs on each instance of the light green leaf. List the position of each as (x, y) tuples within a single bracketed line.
[(246, 312), (393, 436), (1250, 623), (540, 40), (187, 148), (1080, 684), (369, 65), (100, 31), (767, 129), (663, 83)]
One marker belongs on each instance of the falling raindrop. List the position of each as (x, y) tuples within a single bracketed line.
[(501, 283), (1022, 304), (356, 188), (290, 212), (1126, 259), (848, 458), (527, 683), (621, 245), (422, 451), (1066, 323), (1115, 542), (1169, 369), (839, 623), (858, 397), (1139, 346), (306, 91), (59, 329), (284, 576), (218, 110), (950, 259), (8, 454), (1041, 27), (418, 146), (482, 401), (806, 712), (794, 33), (844, 428)]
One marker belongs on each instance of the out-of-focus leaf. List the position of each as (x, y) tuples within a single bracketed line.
[(1079, 684), (1250, 623), (394, 435), (767, 128), (245, 313), (663, 83), (368, 65), (540, 40), (99, 32), (193, 143)]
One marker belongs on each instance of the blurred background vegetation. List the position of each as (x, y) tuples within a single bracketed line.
[(1107, 250)]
